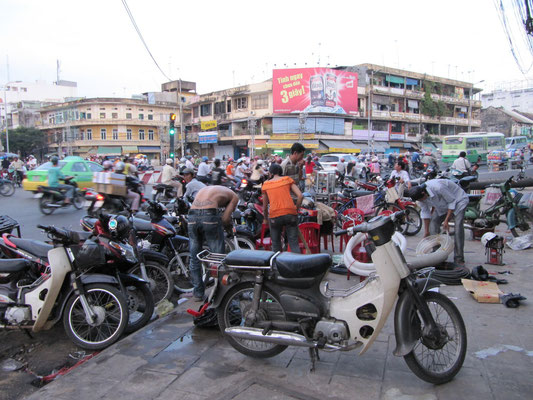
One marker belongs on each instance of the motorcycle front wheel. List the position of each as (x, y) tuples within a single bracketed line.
[(160, 280), (236, 307), (44, 203), (140, 305), (111, 310), (433, 362), (78, 201), (412, 220), (7, 189), (526, 226)]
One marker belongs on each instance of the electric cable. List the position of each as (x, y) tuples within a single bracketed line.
[(141, 37)]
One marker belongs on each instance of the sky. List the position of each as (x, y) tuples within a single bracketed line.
[(222, 44)]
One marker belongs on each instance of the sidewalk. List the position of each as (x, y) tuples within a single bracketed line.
[(171, 359)]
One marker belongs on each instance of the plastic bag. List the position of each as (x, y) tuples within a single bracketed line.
[(521, 243), (527, 201), (492, 195)]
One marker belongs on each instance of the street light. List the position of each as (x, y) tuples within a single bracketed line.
[(470, 105)]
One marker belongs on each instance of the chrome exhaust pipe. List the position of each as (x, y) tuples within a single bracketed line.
[(276, 337)]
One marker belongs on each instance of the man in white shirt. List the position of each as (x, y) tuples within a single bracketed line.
[(193, 185), (462, 164), (188, 163), (402, 175), (341, 167), (167, 175), (439, 199), (203, 171)]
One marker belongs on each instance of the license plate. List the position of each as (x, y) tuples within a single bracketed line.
[(38, 195), (98, 204), (154, 191), (88, 203), (35, 178)]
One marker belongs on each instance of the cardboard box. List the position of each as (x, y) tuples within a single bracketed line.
[(109, 178), (116, 190), (483, 291)]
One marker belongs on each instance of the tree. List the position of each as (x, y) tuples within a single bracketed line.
[(26, 141)]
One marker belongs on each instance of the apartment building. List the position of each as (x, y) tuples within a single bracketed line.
[(108, 127), (347, 109)]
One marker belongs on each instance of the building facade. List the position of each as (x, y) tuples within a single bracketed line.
[(510, 123), (394, 109)]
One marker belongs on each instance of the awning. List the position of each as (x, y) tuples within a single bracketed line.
[(287, 144), (259, 143), (395, 79), (413, 82), (341, 146), (83, 149), (109, 151), (129, 149), (149, 149), (381, 100)]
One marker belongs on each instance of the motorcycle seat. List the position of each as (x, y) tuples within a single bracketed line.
[(163, 186), (291, 265), (35, 247), (142, 224), (83, 235), (356, 192), (249, 258), (171, 219), (14, 265), (475, 197)]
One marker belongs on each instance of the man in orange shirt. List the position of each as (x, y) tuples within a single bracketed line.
[(230, 169), (283, 213)]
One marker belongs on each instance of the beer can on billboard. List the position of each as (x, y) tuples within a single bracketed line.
[(316, 83), (330, 90)]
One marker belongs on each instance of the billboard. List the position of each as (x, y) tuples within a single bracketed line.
[(314, 90), (208, 137)]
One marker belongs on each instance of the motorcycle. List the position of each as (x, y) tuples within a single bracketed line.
[(6, 187), (516, 215), (162, 193), (93, 310), (110, 203), (52, 198), (266, 301)]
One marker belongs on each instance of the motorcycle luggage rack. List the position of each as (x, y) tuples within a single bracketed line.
[(214, 258), (7, 224)]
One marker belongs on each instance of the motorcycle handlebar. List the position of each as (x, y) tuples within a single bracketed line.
[(367, 226)]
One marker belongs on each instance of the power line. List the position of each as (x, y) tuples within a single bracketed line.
[(141, 37)]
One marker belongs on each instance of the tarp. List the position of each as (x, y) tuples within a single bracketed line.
[(109, 151), (395, 79), (149, 149), (129, 149), (341, 146)]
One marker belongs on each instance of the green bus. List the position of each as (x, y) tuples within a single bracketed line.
[(473, 144)]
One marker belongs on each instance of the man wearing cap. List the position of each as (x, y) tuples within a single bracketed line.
[(167, 177), (206, 226), (193, 185), (203, 171), (189, 164), (439, 199)]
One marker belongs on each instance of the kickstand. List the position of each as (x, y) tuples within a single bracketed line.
[(313, 353)]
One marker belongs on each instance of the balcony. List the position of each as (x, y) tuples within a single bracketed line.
[(420, 94), (92, 122)]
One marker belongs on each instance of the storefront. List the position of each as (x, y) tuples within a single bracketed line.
[(341, 146)]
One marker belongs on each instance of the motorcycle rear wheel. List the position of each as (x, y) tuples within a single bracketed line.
[(440, 365), (413, 221), (181, 275), (112, 311), (140, 306), (44, 204), (78, 201), (233, 311), (161, 283)]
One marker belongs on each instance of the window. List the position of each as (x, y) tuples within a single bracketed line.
[(457, 140), (494, 142), (102, 108), (103, 134), (82, 115), (89, 116), (195, 112), (141, 134), (115, 134), (78, 167), (128, 134), (205, 110), (102, 115), (128, 115), (114, 115), (260, 102), (150, 117), (94, 167), (396, 127), (474, 143), (141, 109), (81, 134), (89, 134), (228, 108), (220, 107), (150, 134), (141, 116), (241, 103), (128, 108)]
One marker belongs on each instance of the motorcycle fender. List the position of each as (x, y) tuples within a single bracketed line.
[(221, 289), (511, 218), (406, 321), (152, 255), (470, 214), (179, 241), (130, 278)]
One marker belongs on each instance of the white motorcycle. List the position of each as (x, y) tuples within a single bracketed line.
[(93, 310), (266, 301)]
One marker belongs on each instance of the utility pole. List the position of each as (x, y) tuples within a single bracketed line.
[(182, 134), (302, 118), (251, 129)]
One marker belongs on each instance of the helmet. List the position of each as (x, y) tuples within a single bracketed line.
[(259, 162), (188, 171), (119, 167), (487, 237), (169, 161), (206, 320), (342, 159), (107, 165), (230, 159), (54, 159), (204, 158), (183, 159), (119, 226), (416, 192)]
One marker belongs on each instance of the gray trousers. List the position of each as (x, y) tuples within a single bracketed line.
[(459, 232)]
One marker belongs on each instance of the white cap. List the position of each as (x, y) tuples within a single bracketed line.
[(487, 237), (170, 160)]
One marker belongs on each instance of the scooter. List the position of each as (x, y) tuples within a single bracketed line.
[(52, 198), (93, 310), (266, 301)]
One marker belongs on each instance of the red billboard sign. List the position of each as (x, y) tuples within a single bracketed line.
[(314, 90)]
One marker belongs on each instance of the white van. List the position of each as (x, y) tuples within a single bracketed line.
[(515, 142)]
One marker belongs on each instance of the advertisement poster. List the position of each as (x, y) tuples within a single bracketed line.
[(314, 90)]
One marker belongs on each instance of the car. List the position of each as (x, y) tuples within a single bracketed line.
[(75, 166), (329, 161)]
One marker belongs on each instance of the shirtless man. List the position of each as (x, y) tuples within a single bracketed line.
[(206, 222)]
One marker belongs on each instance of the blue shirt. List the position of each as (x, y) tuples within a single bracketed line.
[(415, 157), (444, 195), (54, 174)]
